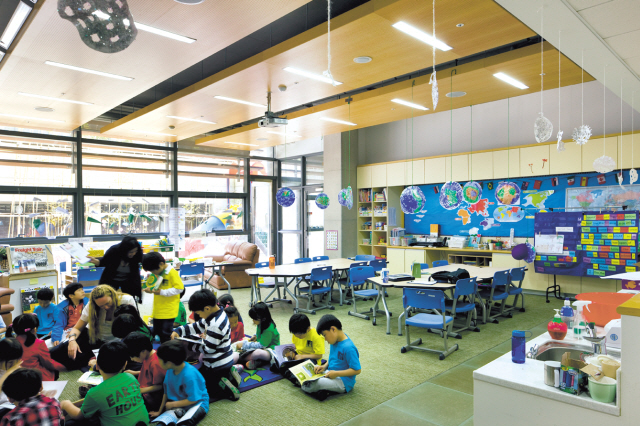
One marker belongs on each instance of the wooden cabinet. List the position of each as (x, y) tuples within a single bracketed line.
[(595, 148), (434, 170), (460, 172), (415, 172), (506, 163), (364, 177), (395, 257), (481, 166), (411, 257), (378, 176), (627, 148), (567, 161), (534, 160)]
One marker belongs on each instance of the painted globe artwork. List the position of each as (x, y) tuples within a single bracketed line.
[(412, 200), (345, 197), (531, 253), (322, 200), (451, 195), (472, 191), (508, 193), (285, 197)]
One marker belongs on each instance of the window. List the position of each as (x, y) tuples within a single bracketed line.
[(115, 167), (36, 162), (90, 134), (314, 171), (292, 172), (35, 215), (262, 168), (213, 214), (209, 246), (106, 215), (199, 172)]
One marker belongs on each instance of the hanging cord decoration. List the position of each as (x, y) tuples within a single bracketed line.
[(542, 128), (327, 73), (285, 196), (560, 147), (620, 175), (432, 80), (604, 164), (451, 193), (582, 134), (345, 197), (412, 199), (471, 191), (633, 173)]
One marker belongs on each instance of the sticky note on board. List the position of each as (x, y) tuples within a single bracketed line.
[(33, 281)]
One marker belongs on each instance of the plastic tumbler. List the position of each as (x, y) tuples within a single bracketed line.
[(518, 346)]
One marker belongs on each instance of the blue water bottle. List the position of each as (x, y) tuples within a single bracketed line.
[(518, 343)]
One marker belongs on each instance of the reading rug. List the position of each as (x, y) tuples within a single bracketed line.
[(250, 379)]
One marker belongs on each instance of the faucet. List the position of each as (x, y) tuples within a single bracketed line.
[(598, 343)]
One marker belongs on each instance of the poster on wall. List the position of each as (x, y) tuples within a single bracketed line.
[(607, 197), (332, 240), (31, 259)]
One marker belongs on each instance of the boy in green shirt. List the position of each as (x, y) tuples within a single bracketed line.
[(117, 400)]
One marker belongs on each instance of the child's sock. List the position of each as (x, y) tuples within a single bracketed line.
[(239, 368)]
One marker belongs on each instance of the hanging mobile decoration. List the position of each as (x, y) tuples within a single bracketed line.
[(471, 191), (451, 192), (633, 173), (432, 80), (560, 146), (604, 164), (542, 128), (327, 73), (322, 201), (285, 195), (345, 196), (104, 25), (620, 175), (582, 134), (412, 199)]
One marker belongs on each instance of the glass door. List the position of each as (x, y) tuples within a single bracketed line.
[(263, 217), (291, 230), (314, 236)]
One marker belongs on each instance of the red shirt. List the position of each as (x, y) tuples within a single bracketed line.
[(37, 410), (237, 334), (152, 374), (37, 356), (74, 314)]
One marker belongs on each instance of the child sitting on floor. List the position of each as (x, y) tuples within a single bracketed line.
[(68, 312), (267, 337), (23, 388), (237, 328), (185, 400), (46, 312), (10, 354), (151, 375)]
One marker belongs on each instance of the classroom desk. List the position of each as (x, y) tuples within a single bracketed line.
[(216, 269)]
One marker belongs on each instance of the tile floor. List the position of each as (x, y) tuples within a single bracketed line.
[(425, 404)]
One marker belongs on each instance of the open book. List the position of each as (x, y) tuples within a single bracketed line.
[(91, 378), (76, 251), (305, 372)]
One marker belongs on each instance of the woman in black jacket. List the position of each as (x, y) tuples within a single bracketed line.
[(121, 266)]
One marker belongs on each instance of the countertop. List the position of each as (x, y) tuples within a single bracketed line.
[(529, 378), (457, 250)]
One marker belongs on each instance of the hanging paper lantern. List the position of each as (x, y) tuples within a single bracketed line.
[(472, 191), (604, 164), (524, 251), (508, 193), (582, 134), (412, 200), (633, 176), (322, 200), (104, 25), (345, 197), (285, 197), (451, 195), (542, 128)]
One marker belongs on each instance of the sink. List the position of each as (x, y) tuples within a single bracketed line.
[(553, 351)]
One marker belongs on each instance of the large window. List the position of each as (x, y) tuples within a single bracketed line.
[(200, 172), (105, 215), (213, 214), (292, 172), (314, 172), (35, 215)]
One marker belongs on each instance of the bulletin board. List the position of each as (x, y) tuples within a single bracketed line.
[(596, 243)]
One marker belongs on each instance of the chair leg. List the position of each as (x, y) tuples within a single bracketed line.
[(522, 308)]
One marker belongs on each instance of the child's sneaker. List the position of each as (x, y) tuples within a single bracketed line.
[(232, 392), (235, 375)]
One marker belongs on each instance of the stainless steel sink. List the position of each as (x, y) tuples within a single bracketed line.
[(553, 351)]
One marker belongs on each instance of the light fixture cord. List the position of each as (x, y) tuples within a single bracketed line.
[(582, 85), (412, 157), (349, 141), (434, 35)]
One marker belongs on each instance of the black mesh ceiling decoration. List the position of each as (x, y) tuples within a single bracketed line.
[(104, 25)]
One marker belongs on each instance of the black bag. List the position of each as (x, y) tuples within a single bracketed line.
[(450, 277)]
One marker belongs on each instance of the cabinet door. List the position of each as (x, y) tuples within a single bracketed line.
[(596, 148), (411, 257), (626, 148), (506, 163), (434, 170), (415, 172), (481, 166), (364, 177), (567, 161), (460, 172), (379, 176), (534, 161), (395, 258), (396, 174)]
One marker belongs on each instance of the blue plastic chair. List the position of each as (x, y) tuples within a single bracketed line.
[(319, 283), (423, 266), (424, 299), (497, 293), (464, 301), (343, 281), (319, 258), (192, 270), (357, 278), (89, 274), (516, 274), (378, 265), (302, 260), (437, 263), (365, 257)]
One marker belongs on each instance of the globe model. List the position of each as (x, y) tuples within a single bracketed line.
[(345, 197), (472, 191), (451, 195), (412, 200), (322, 200), (508, 193), (285, 197)]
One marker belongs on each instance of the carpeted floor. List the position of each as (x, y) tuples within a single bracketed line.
[(386, 372)]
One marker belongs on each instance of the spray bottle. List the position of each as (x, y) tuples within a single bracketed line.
[(567, 314), (579, 323)]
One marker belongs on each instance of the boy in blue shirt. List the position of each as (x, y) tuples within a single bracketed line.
[(185, 400), (344, 362), (46, 313)]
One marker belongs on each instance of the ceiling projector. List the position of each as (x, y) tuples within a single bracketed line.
[(270, 119)]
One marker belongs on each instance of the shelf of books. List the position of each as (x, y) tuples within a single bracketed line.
[(377, 208)]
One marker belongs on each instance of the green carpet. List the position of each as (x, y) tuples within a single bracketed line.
[(386, 372)]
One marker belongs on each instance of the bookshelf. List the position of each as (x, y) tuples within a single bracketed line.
[(374, 206)]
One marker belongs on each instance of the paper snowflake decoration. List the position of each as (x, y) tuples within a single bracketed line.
[(542, 128), (582, 134), (434, 89), (633, 176), (560, 146), (604, 164)]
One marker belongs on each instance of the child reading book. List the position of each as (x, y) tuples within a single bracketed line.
[(46, 312), (267, 337), (10, 354), (68, 312), (32, 408)]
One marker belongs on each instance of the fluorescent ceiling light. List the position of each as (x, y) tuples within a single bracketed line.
[(512, 81), (283, 134), (104, 74), (31, 118), (338, 121), (51, 98), (15, 23), (240, 143), (421, 35), (153, 133), (224, 98), (311, 75), (191, 119), (104, 16), (409, 104)]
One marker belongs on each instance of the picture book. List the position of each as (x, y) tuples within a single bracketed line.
[(30, 258), (29, 299), (284, 356), (76, 251), (152, 282), (91, 378), (305, 372)]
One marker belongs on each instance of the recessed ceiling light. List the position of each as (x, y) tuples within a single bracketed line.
[(189, 2), (224, 98), (44, 109), (409, 104), (15, 23), (87, 70), (153, 133), (460, 25), (421, 35), (191, 119), (283, 134), (31, 118), (333, 120), (512, 81), (240, 143), (51, 98), (311, 75), (262, 139), (362, 59), (455, 94)]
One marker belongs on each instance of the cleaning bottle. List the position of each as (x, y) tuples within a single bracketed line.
[(566, 314), (579, 323), (557, 328)]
